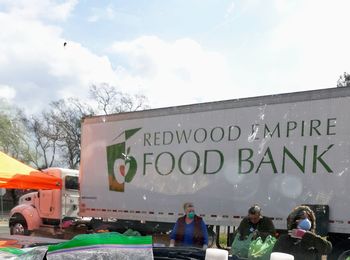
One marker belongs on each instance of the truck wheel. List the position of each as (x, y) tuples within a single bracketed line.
[(19, 226)]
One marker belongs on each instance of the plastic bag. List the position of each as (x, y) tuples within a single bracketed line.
[(131, 232), (260, 249), (240, 247), (10, 253), (35, 253), (103, 246)]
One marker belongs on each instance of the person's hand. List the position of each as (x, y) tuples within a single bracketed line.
[(172, 243), (255, 234), (205, 247), (296, 233)]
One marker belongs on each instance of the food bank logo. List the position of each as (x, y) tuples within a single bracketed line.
[(122, 165)]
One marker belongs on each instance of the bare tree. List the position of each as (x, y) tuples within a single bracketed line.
[(55, 134), (110, 100), (45, 137), (66, 116), (13, 138), (344, 80)]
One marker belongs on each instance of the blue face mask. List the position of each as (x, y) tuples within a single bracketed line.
[(190, 215), (305, 224)]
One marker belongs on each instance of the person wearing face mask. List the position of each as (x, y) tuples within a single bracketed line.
[(256, 223), (301, 240), (189, 230)]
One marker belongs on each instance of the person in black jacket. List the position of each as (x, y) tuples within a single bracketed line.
[(301, 240), (257, 224)]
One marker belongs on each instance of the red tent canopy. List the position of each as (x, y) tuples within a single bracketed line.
[(16, 175)]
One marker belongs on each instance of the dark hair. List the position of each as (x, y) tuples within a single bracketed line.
[(255, 209), (297, 213)]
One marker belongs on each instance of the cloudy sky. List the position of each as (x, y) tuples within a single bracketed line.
[(174, 52)]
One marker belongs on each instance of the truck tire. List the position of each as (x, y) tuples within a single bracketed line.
[(18, 225)]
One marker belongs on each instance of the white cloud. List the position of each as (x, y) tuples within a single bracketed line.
[(48, 9), (173, 73), (35, 63), (111, 13), (230, 9), (284, 6), (7, 92), (309, 48), (93, 18)]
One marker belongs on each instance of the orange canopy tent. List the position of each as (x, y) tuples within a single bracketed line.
[(17, 175)]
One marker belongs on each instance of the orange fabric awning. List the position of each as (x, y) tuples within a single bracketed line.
[(17, 175)]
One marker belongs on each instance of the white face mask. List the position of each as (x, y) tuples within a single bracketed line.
[(305, 224)]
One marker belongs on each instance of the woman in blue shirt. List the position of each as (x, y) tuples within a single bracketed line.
[(189, 230)]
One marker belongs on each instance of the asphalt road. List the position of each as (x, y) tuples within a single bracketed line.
[(42, 237), (23, 241)]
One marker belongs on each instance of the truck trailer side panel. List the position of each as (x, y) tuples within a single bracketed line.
[(278, 151)]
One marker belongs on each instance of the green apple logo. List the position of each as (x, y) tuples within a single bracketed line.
[(122, 166)]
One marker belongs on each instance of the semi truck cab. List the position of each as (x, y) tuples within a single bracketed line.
[(48, 208)]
